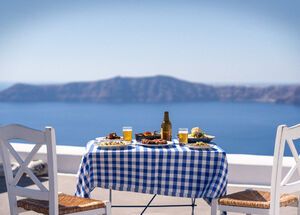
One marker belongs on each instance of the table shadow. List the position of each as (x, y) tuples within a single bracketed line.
[(24, 182)]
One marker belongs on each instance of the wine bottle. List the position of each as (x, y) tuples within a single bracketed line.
[(166, 127)]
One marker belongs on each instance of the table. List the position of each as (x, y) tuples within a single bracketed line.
[(172, 171)]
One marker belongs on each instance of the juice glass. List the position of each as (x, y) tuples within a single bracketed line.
[(183, 135), (127, 133)]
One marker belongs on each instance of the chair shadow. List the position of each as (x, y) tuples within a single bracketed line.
[(24, 182)]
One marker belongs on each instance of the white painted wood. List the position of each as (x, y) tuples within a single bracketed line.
[(100, 211), (284, 135), (24, 164), (8, 176), (108, 207), (39, 138), (214, 207), (52, 170), (298, 205), (244, 210), (289, 174), (30, 193), (13, 152), (16, 131), (293, 132), (277, 170), (294, 153), (290, 187), (35, 180)]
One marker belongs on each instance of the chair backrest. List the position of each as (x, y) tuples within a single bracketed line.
[(279, 185), (38, 138)]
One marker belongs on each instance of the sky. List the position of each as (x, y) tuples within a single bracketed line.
[(216, 42)]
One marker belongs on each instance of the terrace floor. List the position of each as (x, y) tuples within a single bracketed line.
[(67, 185)]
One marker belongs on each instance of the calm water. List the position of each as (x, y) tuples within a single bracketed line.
[(247, 128)]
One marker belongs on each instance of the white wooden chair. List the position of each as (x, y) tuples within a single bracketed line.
[(282, 190), (41, 200)]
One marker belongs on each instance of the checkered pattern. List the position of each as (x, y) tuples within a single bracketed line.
[(173, 171)]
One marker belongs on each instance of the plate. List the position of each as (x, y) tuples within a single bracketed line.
[(206, 138), (104, 138), (209, 146), (169, 143), (100, 143)]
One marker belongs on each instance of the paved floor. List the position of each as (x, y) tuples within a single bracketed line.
[(67, 185)]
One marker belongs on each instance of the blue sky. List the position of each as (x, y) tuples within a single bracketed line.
[(203, 41)]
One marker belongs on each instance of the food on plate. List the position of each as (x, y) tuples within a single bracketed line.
[(147, 135), (113, 143), (154, 142), (200, 145), (113, 136), (196, 132)]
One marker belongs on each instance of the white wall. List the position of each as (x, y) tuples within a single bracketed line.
[(253, 169), (243, 169)]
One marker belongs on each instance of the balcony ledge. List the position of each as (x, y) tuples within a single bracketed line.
[(248, 170)]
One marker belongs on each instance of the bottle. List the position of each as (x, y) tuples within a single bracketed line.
[(166, 128)]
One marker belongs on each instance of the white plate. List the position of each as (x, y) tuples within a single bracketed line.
[(104, 138), (98, 142), (169, 143), (199, 147)]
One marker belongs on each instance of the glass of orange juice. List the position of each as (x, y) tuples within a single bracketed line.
[(127, 133), (183, 135)]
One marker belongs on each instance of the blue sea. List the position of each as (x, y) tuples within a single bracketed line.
[(244, 128)]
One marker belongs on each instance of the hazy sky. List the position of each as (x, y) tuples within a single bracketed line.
[(255, 41)]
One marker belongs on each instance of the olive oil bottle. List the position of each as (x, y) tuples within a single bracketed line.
[(166, 127)]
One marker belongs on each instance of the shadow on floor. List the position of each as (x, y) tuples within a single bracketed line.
[(24, 182)]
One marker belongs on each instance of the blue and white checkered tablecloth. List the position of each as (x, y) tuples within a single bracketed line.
[(173, 171)]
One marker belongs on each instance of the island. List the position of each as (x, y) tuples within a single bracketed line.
[(155, 89)]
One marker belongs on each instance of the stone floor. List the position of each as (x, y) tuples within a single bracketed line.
[(67, 185)]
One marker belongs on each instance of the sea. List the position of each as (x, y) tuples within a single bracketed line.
[(239, 128)]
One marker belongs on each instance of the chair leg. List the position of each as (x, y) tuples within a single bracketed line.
[(298, 206), (108, 208), (214, 207), (13, 204)]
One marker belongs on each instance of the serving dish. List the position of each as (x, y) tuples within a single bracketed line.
[(199, 145), (111, 144), (168, 143)]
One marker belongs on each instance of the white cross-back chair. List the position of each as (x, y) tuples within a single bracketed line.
[(41, 200), (283, 191)]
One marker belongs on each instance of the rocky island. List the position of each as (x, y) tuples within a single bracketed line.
[(154, 89)]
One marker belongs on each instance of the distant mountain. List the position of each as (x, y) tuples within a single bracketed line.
[(148, 90)]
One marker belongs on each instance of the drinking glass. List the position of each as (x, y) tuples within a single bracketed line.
[(183, 135), (127, 133)]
